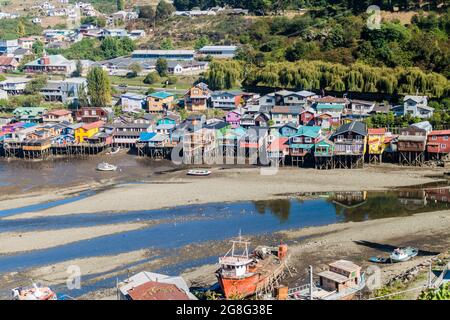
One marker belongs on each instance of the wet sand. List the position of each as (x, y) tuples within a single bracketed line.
[(228, 185), (13, 242), (430, 232)]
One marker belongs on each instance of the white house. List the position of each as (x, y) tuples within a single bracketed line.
[(416, 106), (132, 102)]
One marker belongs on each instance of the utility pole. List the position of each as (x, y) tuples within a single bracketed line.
[(311, 283), (429, 276), (117, 288)]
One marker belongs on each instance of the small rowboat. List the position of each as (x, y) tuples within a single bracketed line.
[(106, 167), (379, 260), (114, 151), (199, 172)]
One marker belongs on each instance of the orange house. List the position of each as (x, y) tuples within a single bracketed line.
[(196, 98)]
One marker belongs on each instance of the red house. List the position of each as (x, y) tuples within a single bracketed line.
[(89, 115), (307, 117), (438, 142), (328, 119)]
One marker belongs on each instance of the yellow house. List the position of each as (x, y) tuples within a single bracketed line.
[(159, 100), (87, 130)]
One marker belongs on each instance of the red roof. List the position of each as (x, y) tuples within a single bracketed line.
[(60, 112), (439, 133), (278, 144), (8, 61), (330, 99), (157, 291), (376, 131), (93, 125)]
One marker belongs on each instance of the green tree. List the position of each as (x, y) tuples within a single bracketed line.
[(161, 67), (35, 85), (135, 69), (79, 69), (164, 10), (443, 293), (166, 44), (146, 12), (99, 87), (151, 78), (201, 42), (120, 5), (38, 48), (21, 29)]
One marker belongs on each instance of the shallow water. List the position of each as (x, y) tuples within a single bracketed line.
[(200, 224)]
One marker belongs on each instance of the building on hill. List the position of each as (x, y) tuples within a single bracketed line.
[(132, 102), (350, 141), (159, 102), (416, 106), (8, 64), (8, 46), (218, 51), (51, 64), (164, 54), (197, 97)]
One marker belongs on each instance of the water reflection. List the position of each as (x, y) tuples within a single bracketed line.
[(360, 205)]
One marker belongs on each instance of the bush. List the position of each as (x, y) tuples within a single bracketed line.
[(151, 78)]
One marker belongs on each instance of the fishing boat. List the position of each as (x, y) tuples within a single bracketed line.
[(104, 166), (243, 274), (36, 292), (403, 254), (342, 281), (199, 172)]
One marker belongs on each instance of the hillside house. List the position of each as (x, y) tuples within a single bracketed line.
[(350, 142), (412, 142), (416, 106), (87, 130), (159, 102), (376, 144), (53, 64), (234, 118), (438, 143), (196, 98), (92, 114), (8, 64), (58, 116), (132, 102), (285, 114), (301, 144)]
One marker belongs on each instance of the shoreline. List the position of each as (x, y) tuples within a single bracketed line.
[(174, 189)]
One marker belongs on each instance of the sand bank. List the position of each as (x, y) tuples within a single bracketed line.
[(229, 185), (13, 242)]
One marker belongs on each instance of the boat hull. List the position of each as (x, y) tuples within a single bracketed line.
[(239, 288)]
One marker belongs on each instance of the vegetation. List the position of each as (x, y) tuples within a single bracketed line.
[(15, 28), (151, 78), (164, 10), (99, 87), (443, 293), (224, 74), (35, 85), (161, 67), (93, 49)]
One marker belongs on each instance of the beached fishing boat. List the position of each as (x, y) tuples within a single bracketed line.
[(403, 254), (245, 274), (35, 292), (104, 166), (199, 172), (342, 281), (114, 151)]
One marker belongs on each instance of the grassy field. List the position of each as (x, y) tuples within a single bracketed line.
[(183, 82)]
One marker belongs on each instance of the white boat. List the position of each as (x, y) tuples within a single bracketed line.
[(199, 172), (104, 166), (403, 254), (114, 151), (36, 292)]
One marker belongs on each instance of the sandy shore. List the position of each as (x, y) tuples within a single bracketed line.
[(229, 185), (430, 232), (13, 242)]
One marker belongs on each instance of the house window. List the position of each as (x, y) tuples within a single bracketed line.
[(443, 146), (307, 140), (434, 138), (445, 138)]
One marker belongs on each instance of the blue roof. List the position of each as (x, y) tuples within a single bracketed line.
[(146, 136), (309, 131), (160, 95), (28, 125)]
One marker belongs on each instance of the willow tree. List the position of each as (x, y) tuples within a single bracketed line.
[(99, 87), (224, 74)]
